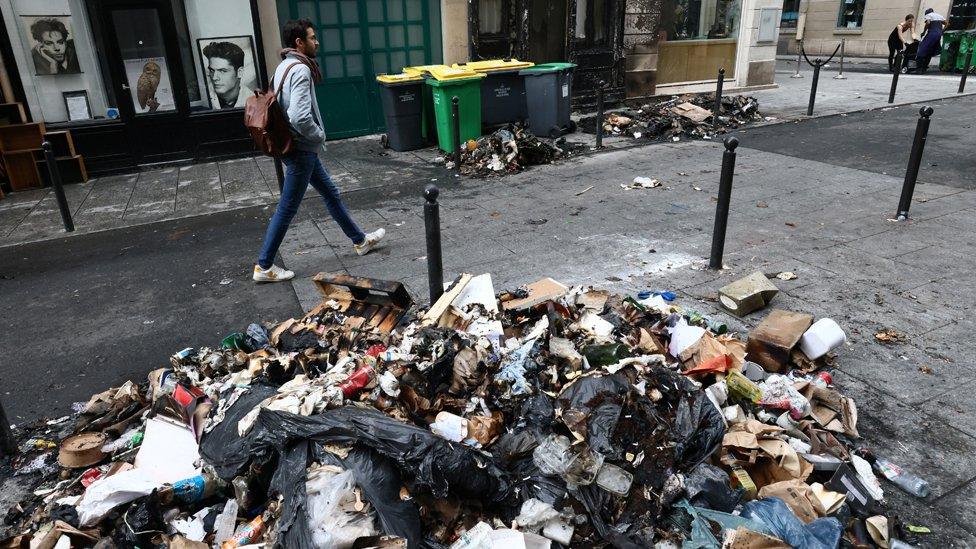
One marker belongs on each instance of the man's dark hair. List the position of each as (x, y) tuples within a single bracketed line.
[(294, 29), (48, 25), (225, 50), (930, 10), (909, 16)]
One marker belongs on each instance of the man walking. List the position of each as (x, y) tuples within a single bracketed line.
[(302, 166)]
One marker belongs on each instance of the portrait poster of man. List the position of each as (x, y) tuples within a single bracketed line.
[(229, 70), (52, 44)]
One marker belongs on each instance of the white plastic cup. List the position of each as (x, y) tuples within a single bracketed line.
[(824, 336)]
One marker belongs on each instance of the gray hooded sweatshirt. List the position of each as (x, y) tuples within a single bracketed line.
[(297, 98)]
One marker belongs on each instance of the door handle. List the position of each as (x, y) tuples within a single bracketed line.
[(125, 86)]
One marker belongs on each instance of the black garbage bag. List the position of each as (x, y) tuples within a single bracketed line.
[(140, 522), (534, 422), (708, 487), (222, 448), (591, 406), (598, 503), (699, 429), (530, 483)]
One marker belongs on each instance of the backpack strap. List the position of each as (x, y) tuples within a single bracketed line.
[(284, 76)]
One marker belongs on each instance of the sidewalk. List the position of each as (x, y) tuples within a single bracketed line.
[(361, 163), (827, 224)]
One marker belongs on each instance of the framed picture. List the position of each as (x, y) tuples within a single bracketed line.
[(77, 105), (52, 44), (229, 70), (149, 85)]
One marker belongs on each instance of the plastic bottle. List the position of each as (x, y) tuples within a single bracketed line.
[(908, 482), (226, 522)]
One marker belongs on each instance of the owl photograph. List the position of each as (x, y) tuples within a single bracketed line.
[(149, 85)]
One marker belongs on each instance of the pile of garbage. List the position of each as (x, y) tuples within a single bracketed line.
[(684, 116), (545, 416), (509, 150)]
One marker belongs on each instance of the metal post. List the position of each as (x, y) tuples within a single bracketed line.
[(914, 162), (432, 226), (280, 174), (599, 115), (799, 53), (722, 208), (718, 98), (894, 78), (813, 88), (55, 173), (843, 48), (8, 444), (456, 128), (965, 71)]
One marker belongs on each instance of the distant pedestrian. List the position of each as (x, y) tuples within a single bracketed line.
[(931, 39), (899, 37), (302, 166)]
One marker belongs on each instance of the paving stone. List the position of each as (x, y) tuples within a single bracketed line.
[(154, 196)]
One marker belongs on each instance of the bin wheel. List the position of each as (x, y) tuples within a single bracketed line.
[(385, 141), (904, 70), (572, 126), (555, 132)]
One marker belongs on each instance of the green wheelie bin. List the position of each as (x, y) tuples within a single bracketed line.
[(446, 83)]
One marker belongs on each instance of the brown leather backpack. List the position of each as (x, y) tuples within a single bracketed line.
[(267, 122)]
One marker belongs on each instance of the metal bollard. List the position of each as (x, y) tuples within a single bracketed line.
[(914, 162), (813, 88), (280, 174), (456, 130), (55, 173), (718, 98), (599, 115), (843, 48), (432, 226), (899, 59), (8, 444), (722, 208), (799, 53), (965, 71)]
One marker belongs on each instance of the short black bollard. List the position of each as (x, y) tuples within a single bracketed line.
[(279, 174), (432, 226), (599, 115), (813, 88), (914, 161), (456, 130), (718, 98), (722, 208), (55, 173), (899, 60), (8, 445), (965, 71)]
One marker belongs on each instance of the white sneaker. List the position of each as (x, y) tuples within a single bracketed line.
[(273, 273), (372, 239)]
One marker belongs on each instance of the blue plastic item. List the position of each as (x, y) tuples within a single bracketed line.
[(823, 533)]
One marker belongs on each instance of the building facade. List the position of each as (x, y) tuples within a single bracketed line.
[(864, 25), (140, 82)]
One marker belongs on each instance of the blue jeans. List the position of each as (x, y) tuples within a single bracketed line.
[(302, 168)]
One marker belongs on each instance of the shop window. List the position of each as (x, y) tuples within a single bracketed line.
[(700, 37), (220, 42), (851, 14), (704, 20), (591, 22), (791, 14), (491, 17)]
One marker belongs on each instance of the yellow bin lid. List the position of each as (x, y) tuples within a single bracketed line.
[(491, 65), (419, 70), (398, 78), (443, 72)]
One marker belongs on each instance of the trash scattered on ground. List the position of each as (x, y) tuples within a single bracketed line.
[(678, 117), (542, 416), (889, 335), (510, 150), (747, 294), (641, 183), (786, 275)]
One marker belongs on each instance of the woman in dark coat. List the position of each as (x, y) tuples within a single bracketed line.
[(931, 39)]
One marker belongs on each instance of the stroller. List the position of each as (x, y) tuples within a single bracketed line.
[(909, 63)]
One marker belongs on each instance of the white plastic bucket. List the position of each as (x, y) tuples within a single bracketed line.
[(824, 336)]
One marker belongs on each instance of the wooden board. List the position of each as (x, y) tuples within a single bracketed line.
[(21, 137), (72, 170), (380, 303), (21, 171), (61, 142), (12, 113)]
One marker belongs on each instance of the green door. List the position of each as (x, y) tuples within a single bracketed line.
[(360, 39)]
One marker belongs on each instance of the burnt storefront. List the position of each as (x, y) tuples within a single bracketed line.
[(588, 33)]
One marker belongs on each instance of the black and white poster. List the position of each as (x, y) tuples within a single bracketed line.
[(52, 44), (229, 70)]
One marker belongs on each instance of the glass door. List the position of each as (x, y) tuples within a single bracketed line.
[(144, 59)]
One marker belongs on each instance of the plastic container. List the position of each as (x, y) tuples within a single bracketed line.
[(446, 83), (613, 479), (821, 338), (548, 92), (402, 99), (908, 482), (502, 90)]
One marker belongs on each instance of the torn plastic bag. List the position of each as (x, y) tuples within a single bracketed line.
[(256, 337), (141, 522), (591, 407), (222, 447), (708, 487), (599, 504), (536, 417), (333, 526), (823, 533), (697, 525), (699, 428), (531, 483)]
